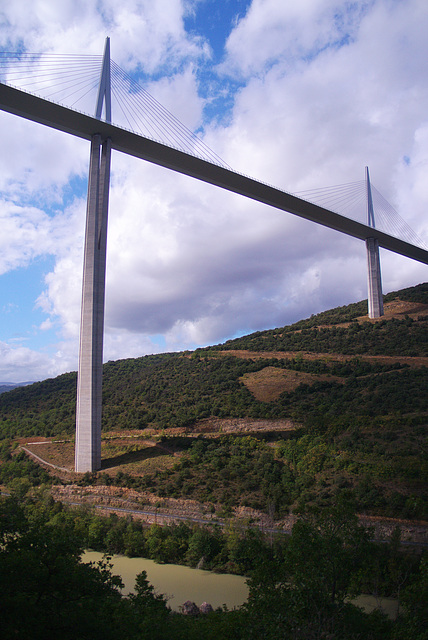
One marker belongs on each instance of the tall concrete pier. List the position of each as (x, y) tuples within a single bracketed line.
[(375, 297), (89, 380)]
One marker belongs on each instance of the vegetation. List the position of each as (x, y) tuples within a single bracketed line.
[(387, 473), (294, 471), (299, 586), (175, 390), (358, 446), (405, 337), (360, 422)]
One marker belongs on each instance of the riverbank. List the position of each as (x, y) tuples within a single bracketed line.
[(152, 509), (181, 584)]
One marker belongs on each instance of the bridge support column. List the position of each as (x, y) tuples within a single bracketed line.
[(89, 380), (375, 298)]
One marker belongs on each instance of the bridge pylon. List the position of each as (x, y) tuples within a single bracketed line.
[(89, 377), (375, 297)]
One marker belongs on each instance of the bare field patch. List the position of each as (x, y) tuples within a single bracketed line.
[(60, 454), (399, 309), (268, 383), (135, 456), (218, 426)]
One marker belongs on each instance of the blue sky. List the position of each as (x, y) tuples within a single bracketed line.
[(213, 21), (299, 95)]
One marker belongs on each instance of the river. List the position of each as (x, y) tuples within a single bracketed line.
[(183, 583), (179, 583)]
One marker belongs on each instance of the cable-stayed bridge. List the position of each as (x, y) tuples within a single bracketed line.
[(34, 86), (38, 86)]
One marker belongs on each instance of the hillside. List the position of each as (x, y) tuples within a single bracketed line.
[(8, 386), (272, 421)]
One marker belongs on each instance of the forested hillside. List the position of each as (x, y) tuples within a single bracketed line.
[(339, 331), (355, 391), (300, 586)]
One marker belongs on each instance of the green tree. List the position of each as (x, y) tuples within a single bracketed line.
[(305, 596), (149, 610), (413, 623), (46, 590)]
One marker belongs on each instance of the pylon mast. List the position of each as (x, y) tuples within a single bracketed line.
[(375, 297), (89, 377)]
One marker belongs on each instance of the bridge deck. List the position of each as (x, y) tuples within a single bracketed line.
[(84, 126)]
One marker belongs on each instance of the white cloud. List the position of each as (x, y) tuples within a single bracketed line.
[(284, 32), (322, 120), (325, 89), (46, 325), (21, 364), (144, 33), (179, 94), (37, 163), (25, 235)]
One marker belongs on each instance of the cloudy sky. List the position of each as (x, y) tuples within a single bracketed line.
[(297, 94)]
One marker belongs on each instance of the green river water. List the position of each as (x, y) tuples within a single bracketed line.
[(183, 583), (179, 583)]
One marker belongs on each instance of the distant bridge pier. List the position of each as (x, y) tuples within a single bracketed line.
[(89, 377), (375, 297)]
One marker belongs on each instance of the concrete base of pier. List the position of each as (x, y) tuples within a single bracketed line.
[(375, 297)]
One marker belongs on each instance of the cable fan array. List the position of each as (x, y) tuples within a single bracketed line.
[(73, 80), (350, 200), (62, 78)]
